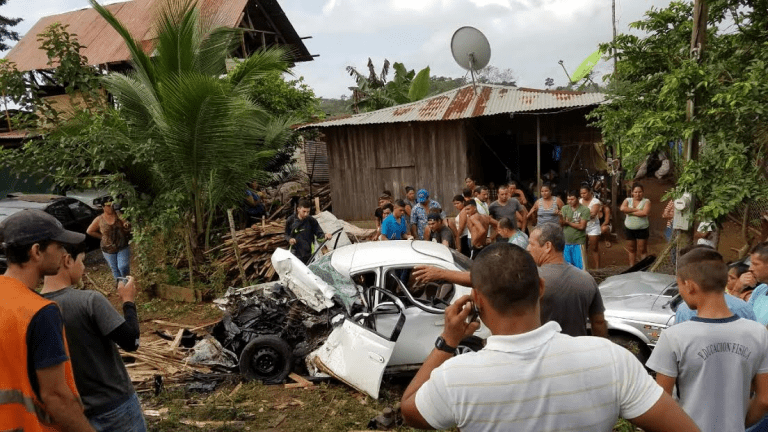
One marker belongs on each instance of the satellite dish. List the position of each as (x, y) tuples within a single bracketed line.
[(586, 66), (470, 49)]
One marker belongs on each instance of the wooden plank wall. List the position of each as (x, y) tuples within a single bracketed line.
[(365, 160)]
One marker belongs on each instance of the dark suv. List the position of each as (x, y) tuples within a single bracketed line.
[(73, 214)]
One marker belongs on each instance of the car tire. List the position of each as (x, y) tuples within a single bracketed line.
[(268, 359), (469, 344), (633, 345)]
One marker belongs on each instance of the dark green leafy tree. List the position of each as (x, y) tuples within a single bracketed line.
[(374, 92), (5, 29), (656, 76)]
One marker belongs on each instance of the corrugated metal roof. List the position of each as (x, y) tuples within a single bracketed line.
[(464, 102), (104, 46)]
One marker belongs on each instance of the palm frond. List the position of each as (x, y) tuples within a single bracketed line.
[(178, 35), (257, 65)]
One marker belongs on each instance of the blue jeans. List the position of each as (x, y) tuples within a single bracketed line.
[(125, 418), (120, 262)]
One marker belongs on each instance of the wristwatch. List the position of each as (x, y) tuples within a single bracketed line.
[(443, 346)]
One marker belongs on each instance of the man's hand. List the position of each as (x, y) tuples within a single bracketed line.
[(328, 236), (456, 325), (292, 241), (127, 291), (747, 279), (424, 274), (59, 401)]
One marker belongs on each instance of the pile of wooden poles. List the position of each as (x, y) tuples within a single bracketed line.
[(256, 245)]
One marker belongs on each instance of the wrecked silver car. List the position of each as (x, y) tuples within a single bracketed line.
[(353, 313), (638, 306)]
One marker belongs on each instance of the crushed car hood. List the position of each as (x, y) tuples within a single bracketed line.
[(308, 287)]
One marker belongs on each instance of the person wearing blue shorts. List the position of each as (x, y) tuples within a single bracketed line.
[(573, 218)]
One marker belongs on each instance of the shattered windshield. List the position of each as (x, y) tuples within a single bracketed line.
[(345, 289)]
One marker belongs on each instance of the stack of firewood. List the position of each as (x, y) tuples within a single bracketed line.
[(256, 245)]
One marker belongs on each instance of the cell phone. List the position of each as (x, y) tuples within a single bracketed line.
[(475, 314), (124, 280)]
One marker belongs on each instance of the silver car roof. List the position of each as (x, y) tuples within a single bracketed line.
[(361, 256)]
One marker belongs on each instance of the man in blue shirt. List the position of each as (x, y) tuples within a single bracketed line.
[(758, 274), (394, 226), (738, 306), (419, 214)]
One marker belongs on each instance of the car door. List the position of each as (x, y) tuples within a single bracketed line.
[(356, 354), (424, 318)]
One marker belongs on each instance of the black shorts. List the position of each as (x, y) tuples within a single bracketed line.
[(466, 247), (638, 234)]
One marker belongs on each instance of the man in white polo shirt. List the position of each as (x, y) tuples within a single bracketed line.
[(529, 377)]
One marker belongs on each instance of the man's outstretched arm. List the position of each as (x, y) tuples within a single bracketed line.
[(665, 416), (425, 273)]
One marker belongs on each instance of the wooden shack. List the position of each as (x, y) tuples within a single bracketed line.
[(494, 133)]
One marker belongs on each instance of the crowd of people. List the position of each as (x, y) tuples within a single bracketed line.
[(480, 221), (540, 371)]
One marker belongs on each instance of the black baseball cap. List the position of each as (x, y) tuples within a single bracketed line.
[(435, 216), (30, 226)]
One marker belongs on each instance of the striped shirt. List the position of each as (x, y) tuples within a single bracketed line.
[(542, 380)]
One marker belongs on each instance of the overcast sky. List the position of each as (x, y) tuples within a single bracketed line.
[(527, 36)]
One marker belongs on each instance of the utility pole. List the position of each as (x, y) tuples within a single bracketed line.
[(616, 177), (691, 150), (698, 43)]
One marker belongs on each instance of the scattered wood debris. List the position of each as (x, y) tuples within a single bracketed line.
[(159, 358), (300, 382)]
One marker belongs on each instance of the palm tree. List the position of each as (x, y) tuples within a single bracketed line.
[(203, 134)]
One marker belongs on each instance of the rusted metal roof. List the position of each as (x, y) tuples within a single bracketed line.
[(104, 46), (465, 102)]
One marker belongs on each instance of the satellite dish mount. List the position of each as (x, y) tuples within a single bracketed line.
[(471, 50)]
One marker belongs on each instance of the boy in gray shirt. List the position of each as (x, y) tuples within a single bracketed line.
[(714, 357), (93, 328)]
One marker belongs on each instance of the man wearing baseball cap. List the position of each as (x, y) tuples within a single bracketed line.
[(37, 386), (419, 214)]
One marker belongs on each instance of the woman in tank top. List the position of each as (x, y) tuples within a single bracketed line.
[(636, 223), (547, 208)]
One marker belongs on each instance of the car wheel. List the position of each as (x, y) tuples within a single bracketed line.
[(266, 358), (469, 344), (633, 345)]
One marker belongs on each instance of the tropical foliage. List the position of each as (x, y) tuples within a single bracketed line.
[(206, 135), (656, 76), (374, 92)]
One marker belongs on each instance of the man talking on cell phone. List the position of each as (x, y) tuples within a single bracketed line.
[(529, 376)]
